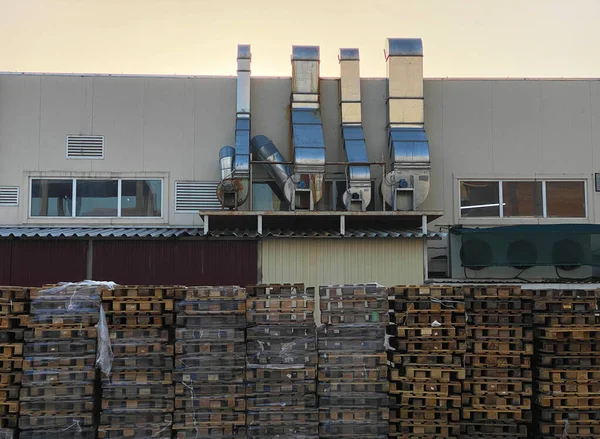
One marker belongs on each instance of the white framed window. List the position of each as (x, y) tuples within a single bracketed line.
[(96, 198), (523, 198)]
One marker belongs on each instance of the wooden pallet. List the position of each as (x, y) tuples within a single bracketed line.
[(439, 416), (337, 292), (207, 419), (572, 375), (12, 335), (10, 364), (501, 346), (501, 387), (210, 335), (209, 376), (494, 429), (130, 321), (325, 389), (289, 305), (210, 347), (148, 391), (396, 359), (14, 321), (565, 319), (565, 294), (495, 292), (331, 318), (158, 431), (279, 317), (72, 334), (498, 360), (140, 377), (304, 431), (224, 431), (147, 405), (412, 292), (457, 319), (428, 306), (496, 401), (11, 378), (72, 392), (418, 428), (36, 407), (141, 292), (9, 393), (61, 362), (139, 362), (569, 333), (353, 414), (74, 320), (424, 387), (495, 414), (425, 401), (327, 373), (9, 422), (203, 361), (52, 421), (437, 333), (211, 321), (213, 402), (58, 376), (282, 417), (225, 306), (12, 308), (15, 293), (582, 361), (56, 348), (571, 430), (208, 293), (444, 374), (495, 373), (500, 332), (283, 290), (354, 305), (137, 418), (281, 374), (9, 350), (565, 347), (584, 416), (578, 402), (142, 348), (443, 346), (568, 388), (133, 306), (498, 306), (500, 319), (363, 430), (154, 334), (207, 389), (279, 402), (350, 359), (583, 305)]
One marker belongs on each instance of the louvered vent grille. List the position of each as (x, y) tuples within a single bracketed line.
[(191, 196), (85, 147), (9, 196)]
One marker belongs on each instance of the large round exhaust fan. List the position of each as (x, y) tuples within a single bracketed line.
[(567, 254), (521, 254), (476, 254)]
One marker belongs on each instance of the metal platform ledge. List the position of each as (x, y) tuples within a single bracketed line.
[(306, 220)]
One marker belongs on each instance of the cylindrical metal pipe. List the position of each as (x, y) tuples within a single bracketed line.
[(226, 155), (266, 151)]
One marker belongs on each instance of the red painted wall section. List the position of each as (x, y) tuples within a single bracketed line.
[(5, 261), (38, 262)]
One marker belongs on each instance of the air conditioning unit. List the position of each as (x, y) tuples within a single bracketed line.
[(491, 254)]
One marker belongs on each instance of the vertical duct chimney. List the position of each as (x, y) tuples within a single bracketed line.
[(232, 191), (307, 129), (358, 193), (406, 186)]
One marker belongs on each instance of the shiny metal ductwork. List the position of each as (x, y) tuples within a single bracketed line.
[(232, 191), (406, 186), (264, 150), (307, 129), (358, 192)]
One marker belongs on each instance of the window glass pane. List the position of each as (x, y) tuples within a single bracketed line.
[(96, 198), (479, 199), (264, 197), (51, 197), (565, 199), (522, 198), (141, 197)]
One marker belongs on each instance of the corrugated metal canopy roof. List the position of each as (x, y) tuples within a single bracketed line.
[(177, 232)]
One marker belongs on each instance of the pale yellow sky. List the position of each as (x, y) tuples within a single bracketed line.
[(461, 38)]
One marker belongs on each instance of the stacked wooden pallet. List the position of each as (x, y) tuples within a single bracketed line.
[(498, 389), (59, 376), (281, 363), (352, 378), (567, 357), (137, 396), (210, 363), (427, 348), (14, 310)]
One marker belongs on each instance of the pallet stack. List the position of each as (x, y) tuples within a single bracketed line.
[(498, 389), (567, 357), (14, 310), (137, 396), (352, 378), (210, 363), (59, 375), (281, 364), (427, 348)]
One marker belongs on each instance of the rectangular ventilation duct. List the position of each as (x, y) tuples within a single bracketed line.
[(192, 196), (9, 196), (358, 194), (85, 147), (406, 186)]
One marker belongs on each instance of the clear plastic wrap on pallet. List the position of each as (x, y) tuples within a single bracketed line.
[(349, 359), (281, 304), (212, 432), (205, 375), (207, 361), (210, 334), (73, 432), (349, 317), (355, 305), (280, 290), (7, 433), (352, 430), (267, 345), (139, 392), (213, 293), (279, 317), (368, 400), (52, 377), (352, 338), (352, 387), (295, 431), (155, 362), (333, 373), (147, 431), (285, 401), (216, 320), (208, 347), (295, 387), (208, 389), (213, 305), (162, 419), (156, 405), (341, 292), (280, 372), (54, 421)]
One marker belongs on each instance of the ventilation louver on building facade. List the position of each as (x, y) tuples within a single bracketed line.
[(9, 196), (192, 196), (85, 147)]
